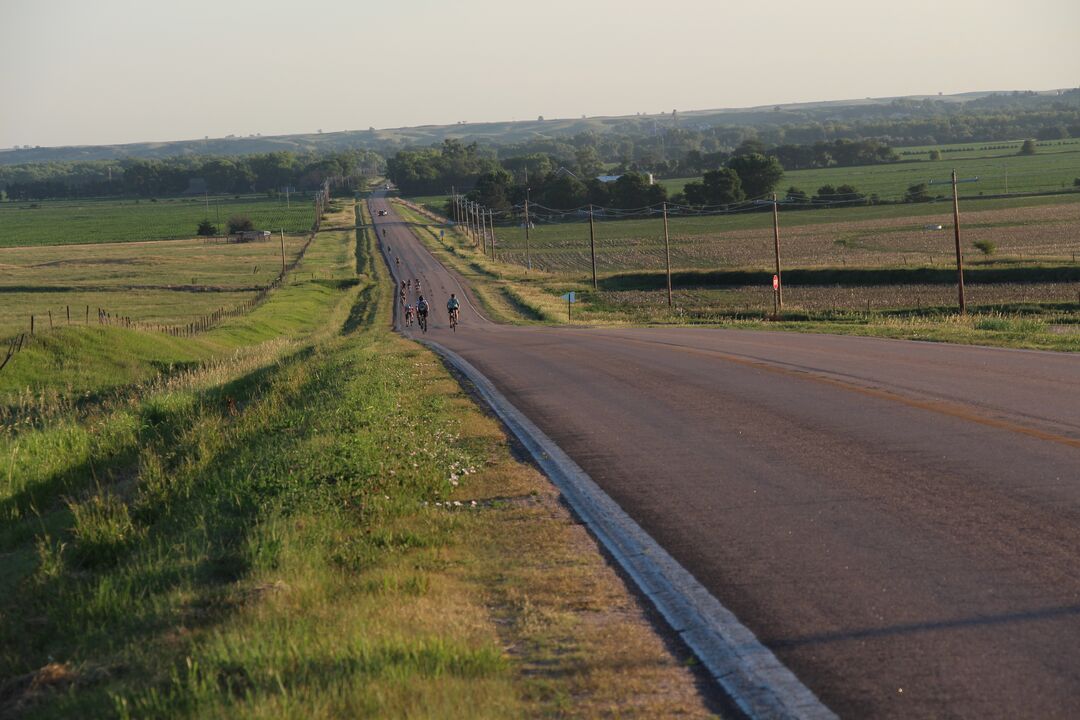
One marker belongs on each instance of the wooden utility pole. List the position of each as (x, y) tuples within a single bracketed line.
[(667, 257), (592, 245), (959, 253), (776, 242), (477, 240), (491, 226), (282, 252), (528, 259)]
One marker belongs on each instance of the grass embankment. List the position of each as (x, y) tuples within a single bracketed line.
[(1011, 304), (323, 526)]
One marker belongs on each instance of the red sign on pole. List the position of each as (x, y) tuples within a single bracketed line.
[(775, 282)]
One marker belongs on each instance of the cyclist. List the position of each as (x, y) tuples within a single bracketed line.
[(452, 306), (408, 315), (417, 284), (421, 312), (384, 232)]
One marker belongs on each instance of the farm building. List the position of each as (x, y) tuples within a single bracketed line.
[(613, 178)]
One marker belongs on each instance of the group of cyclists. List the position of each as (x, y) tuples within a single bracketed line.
[(421, 308)]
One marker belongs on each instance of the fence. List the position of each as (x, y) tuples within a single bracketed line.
[(199, 324)]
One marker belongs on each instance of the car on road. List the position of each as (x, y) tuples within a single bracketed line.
[(382, 213)]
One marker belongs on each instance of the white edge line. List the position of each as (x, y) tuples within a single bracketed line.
[(747, 671)]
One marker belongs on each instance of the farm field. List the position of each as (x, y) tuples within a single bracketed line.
[(1027, 295), (166, 282), (1053, 168), (1044, 229), (63, 222)]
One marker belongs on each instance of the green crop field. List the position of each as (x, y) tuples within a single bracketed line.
[(158, 282), (105, 221), (1054, 167)]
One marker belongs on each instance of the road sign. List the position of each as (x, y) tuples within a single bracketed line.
[(775, 282), (569, 297)]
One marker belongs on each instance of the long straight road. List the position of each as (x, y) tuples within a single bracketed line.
[(898, 521)]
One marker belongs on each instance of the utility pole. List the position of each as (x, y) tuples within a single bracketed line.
[(956, 235), (283, 252), (776, 242), (528, 258), (959, 253), (475, 226), (484, 230), (592, 245), (667, 256), (491, 226)]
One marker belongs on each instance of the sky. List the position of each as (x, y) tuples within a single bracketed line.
[(84, 72)]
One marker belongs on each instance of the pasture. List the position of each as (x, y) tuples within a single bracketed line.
[(64, 222), (165, 282), (1000, 170)]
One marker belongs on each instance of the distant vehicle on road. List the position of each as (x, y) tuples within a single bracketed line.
[(382, 213)]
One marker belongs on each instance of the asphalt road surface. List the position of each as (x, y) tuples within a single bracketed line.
[(898, 521)]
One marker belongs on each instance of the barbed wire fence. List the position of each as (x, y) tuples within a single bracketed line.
[(200, 324)]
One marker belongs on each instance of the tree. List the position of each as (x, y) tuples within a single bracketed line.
[(848, 194), (493, 189), (796, 195), (717, 187), (1028, 148), (564, 191), (935, 154), (757, 173), (239, 223), (207, 229), (633, 190), (917, 193)]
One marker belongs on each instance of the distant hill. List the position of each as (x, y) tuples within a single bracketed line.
[(502, 133)]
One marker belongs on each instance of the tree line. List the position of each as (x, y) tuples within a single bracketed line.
[(267, 172)]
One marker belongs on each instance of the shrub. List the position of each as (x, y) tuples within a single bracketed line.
[(986, 247), (238, 223), (1028, 148), (207, 228), (917, 193), (935, 154)]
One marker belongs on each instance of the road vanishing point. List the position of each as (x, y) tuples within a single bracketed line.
[(897, 521)]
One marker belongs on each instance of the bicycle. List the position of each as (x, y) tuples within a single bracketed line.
[(453, 319), (421, 319)]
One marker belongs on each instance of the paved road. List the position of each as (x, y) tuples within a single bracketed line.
[(898, 521)]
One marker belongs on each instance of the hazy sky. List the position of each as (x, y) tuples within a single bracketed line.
[(113, 71)]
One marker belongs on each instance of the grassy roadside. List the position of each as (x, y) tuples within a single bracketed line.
[(324, 526), (535, 297)]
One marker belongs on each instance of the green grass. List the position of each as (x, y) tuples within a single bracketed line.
[(317, 522), (157, 282), (65, 222), (1053, 168)]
